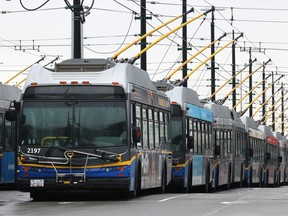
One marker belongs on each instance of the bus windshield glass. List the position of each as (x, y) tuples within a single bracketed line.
[(74, 124)]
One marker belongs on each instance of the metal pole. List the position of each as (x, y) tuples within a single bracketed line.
[(143, 59), (282, 108), (233, 72), (263, 88), (213, 58), (184, 41), (273, 101), (76, 31), (250, 85)]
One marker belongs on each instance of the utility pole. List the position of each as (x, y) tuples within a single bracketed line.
[(212, 52), (77, 33), (263, 88), (282, 108), (250, 84), (184, 41), (273, 101), (233, 72), (143, 59)]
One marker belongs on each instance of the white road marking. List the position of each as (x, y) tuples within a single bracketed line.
[(169, 198)]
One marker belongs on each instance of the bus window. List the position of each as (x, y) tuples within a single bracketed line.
[(162, 128), (138, 122), (145, 128), (157, 134), (151, 129)]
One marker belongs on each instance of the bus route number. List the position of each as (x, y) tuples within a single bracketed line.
[(33, 150)]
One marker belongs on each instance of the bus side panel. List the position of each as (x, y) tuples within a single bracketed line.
[(223, 172), (7, 168)]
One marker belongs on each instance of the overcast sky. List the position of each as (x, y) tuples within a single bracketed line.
[(27, 36)]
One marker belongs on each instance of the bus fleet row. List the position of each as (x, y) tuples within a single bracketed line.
[(96, 125)]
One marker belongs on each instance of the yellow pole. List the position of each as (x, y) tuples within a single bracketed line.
[(207, 59), (253, 101), (231, 79), (266, 101), (23, 71), (192, 57), (250, 91), (148, 34), (279, 115), (266, 115), (281, 123), (133, 59)]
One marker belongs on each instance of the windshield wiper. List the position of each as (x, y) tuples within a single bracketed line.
[(101, 154)]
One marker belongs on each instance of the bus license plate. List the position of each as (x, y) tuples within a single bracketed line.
[(37, 183)]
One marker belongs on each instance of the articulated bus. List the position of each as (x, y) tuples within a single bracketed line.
[(283, 169), (95, 131), (271, 157), (255, 165), (229, 134), (192, 145), (8, 94)]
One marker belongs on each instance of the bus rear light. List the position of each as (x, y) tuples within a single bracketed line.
[(26, 174), (86, 82), (34, 83), (173, 102), (26, 169), (74, 82), (178, 169), (121, 168), (63, 82), (115, 83), (120, 174)]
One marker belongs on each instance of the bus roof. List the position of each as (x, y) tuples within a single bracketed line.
[(183, 95), (249, 123), (122, 73), (8, 94), (266, 130)]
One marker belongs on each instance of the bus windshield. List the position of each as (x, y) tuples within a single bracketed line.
[(74, 124), (176, 130)]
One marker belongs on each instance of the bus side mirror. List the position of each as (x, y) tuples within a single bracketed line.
[(11, 115), (136, 134), (280, 159), (190, 144), (217, 150), (268, 155)]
